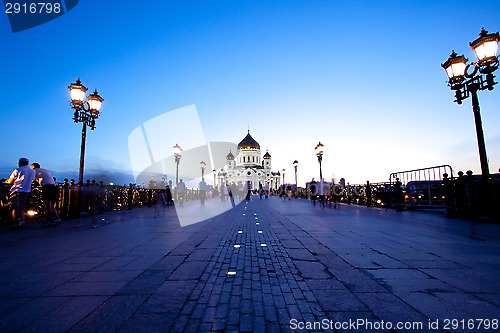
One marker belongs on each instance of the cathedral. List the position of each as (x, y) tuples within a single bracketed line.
[(249, 166)]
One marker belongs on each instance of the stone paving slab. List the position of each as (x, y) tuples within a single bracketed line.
[(256, 268)]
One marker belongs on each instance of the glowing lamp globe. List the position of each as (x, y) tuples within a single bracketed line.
[(486, 47), (455, 67), (77, 91), (95, 102), (319, 149), (177, 151)]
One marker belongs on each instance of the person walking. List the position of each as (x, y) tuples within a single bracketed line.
[(21, 179), (261, 191), (249, 191), (230, 193), (203, 191), (50, 194), (313, 190), (181, 190), (170, 198), (266, 190)]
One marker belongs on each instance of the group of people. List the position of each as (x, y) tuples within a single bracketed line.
[(21, 179), (162, 193), (238, 191)]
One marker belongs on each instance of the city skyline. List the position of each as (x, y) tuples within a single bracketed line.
[(364, 78)]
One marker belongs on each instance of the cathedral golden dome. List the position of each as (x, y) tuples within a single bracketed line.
[(248, 143)]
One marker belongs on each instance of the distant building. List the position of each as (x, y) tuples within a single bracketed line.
[(248, 166)]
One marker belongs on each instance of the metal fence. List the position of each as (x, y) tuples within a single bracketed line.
[(437, 188), (466, 196), (75, 200), (89, 199), (420, 188)]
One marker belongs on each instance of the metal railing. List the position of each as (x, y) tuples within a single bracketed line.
[(420, 188), (75, 200)]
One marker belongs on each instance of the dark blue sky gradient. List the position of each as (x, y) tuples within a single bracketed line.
[(362, 77)]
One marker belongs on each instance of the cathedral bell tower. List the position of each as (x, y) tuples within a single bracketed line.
[(230, 160), (267, 160)]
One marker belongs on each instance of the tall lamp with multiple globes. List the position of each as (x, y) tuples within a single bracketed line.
[(295, 164), (283, 172), (86, 112), (203, 165), (319, 154), (466, 79), (177, 156)]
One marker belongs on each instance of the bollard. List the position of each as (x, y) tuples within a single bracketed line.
[(130, 196), (461, 196), (398, 196), (74, 199), (448, 192), (368, 193), (471, 195), (64, 211)]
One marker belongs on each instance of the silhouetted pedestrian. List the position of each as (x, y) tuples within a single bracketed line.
[(203, 191), (181, 192), (249, 191), (21, 179), (313, 190), (50, 193)]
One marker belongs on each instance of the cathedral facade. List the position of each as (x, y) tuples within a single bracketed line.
[(248, 166)]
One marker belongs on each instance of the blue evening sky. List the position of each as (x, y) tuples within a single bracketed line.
[(362, 77)]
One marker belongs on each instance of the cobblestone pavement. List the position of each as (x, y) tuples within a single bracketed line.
[(263, 266)]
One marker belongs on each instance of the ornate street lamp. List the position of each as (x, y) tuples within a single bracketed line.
[(203, 165), (86, 112), (467, 83), (486, 47), (283, 172), (177, 155), (455, 68), (295, 163), (319, 154), (215, 174)]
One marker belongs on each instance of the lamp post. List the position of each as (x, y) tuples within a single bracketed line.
[(177, 155), (203, 165), (319, 154), (295, 163), (215, 174), (467, 83), (86, 112)]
